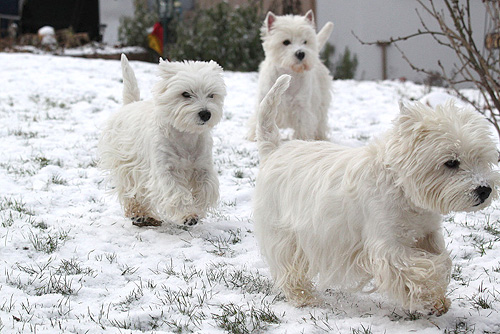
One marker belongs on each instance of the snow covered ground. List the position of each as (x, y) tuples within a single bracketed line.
[(71, 263)]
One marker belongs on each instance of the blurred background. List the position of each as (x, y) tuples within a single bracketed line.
[(228, 32)]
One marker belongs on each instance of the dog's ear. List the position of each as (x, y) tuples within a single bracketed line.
[(270, 18), (216, 67), (166, 69), (310, 17), (412, 118), (403, 108), (163, 61)]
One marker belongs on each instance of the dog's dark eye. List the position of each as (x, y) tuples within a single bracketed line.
[(287, 42), (452, 164), (305, 42), (211, 96), (186, 95)]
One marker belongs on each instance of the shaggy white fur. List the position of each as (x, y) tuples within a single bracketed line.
[(370, 214), (292, 47), (159, 152)]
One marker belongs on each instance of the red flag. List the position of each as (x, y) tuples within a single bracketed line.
[(155, 39)]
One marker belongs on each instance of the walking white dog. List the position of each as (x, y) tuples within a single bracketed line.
[(159, 152), (292, 47), (373, 213)]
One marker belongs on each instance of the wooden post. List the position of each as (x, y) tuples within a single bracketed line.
[(384, 45)]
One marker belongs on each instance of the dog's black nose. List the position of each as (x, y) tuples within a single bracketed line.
[(204, 115), (300, 55), (483, 192)]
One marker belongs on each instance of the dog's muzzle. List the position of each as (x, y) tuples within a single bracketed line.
[(205, 115), (482, 193)]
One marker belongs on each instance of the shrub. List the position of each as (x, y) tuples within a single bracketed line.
[(230, 36), (133, 31), (345, 67), (327, 54)]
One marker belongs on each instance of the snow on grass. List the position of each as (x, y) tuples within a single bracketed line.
[(71, 263)]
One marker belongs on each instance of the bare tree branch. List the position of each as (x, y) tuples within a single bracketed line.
[(474, 66)]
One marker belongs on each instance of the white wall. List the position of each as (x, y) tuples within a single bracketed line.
[(110, 12), (377, 20)]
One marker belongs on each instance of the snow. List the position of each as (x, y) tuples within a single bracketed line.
[(101, 49), (46, 30), (47, 35), (71, 263)]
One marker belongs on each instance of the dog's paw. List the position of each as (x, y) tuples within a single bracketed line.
[(145, 221), (304, 298), (310, 301), (191, 220), (440, 307)]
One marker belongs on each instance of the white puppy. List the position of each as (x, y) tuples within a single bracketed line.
[(292, 47), (159, 152), (373, 213)]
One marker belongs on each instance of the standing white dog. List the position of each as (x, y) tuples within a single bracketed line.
[(373, 213), (159, 152), (292, 47)]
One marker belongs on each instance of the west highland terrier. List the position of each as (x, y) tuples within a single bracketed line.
[(292, 47), (159, 152), (371, 214)]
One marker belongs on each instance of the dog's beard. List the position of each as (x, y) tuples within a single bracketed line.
[(296, 66), (290, 63), (300, 67)]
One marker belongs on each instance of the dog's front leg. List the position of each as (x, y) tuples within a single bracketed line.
[(305, 127), (176, 199), (205, 188), (416, 278), (434, 243)]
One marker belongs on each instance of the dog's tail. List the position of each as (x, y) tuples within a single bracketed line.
[(131, 91), (324, 34), (268, 135)]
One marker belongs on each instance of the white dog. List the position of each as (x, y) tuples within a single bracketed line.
[(373, 213), (159, 152), (292, 47)]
